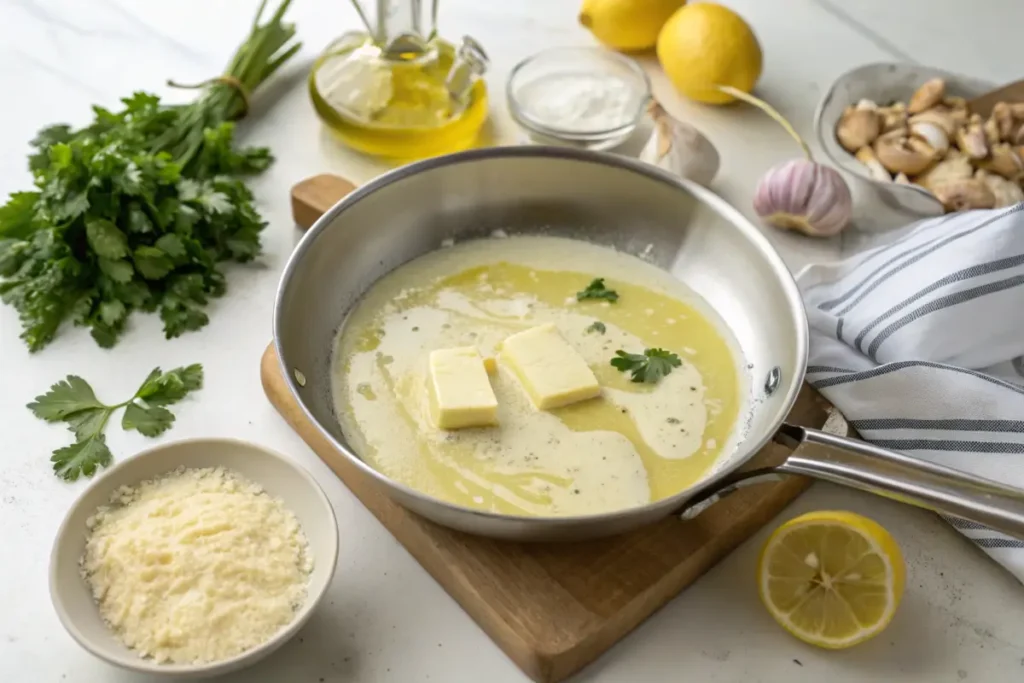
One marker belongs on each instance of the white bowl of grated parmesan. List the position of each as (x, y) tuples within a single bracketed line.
[(193, 558)]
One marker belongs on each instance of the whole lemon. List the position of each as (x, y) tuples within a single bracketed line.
[(627, 25), (705, 45)]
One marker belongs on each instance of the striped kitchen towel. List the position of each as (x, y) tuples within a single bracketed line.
[(920, 344)]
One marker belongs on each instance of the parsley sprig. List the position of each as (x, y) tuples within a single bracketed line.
[(597, 290), (74, 402), (648, 367), (136, 210)]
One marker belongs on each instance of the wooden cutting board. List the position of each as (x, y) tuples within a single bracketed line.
[(554, 608)]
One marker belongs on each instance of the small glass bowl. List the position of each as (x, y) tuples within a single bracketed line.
[(584, 62)]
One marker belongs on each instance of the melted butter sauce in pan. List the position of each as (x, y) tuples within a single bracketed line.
[(634, 444)]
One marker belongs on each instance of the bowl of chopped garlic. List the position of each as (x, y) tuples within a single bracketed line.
[(193, 558), (892, 159)]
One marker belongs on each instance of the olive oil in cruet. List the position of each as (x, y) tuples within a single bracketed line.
[(397, 89)]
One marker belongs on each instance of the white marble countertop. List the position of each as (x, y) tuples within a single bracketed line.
[(385, 619)]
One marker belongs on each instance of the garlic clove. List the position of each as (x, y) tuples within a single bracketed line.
[(937, 117), (858, 128), (894, 116), (950, 169), (927, 96), (960, 116), (934, 135), (902, 179), (866, 156), (991, 130), (804, 196), (894, 135), (901, 154), (954, 102), (1003, 160), (1002, 117), (679, 148), (1006, 192), (961, 195), (972, 140), (867, 105)]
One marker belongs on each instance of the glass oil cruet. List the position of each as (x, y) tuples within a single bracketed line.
[(397, 89)]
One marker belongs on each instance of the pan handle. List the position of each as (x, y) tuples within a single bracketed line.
[(908, 480)]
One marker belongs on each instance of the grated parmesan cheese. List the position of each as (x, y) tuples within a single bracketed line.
[(198, 565)]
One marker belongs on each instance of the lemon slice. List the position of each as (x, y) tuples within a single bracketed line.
[(832, 579)]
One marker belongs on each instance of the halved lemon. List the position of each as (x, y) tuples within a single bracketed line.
[(832, 579)]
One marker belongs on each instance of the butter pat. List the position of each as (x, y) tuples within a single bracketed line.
[(551, 371), (460, 391)]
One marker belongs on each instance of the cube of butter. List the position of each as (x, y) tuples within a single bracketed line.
[(460, 391), (553, 373)]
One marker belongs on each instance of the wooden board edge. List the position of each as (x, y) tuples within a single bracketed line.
[(558, 666), (540, 665), (435, 560)]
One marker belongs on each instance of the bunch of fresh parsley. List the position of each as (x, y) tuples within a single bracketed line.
[(135, 210), (74, 402)]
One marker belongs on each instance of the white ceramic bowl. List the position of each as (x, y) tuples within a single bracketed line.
[(558, 62), (278, 476), (883, 83)]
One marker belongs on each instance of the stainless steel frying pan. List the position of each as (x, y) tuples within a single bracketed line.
[(632, 207)]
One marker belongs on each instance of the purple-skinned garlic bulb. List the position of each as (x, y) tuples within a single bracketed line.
[(799, 194), (804, 196)]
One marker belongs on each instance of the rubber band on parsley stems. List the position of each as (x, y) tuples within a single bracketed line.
[(136, 210), (229, 81)]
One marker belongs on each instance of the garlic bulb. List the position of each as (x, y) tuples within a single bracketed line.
[(800, 194), (679, 148), (805, 196)]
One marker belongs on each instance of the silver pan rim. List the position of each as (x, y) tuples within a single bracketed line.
[(733, 215)]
